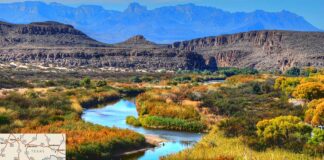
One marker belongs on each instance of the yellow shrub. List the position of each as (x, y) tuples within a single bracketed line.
[(313, 78), (309, 90), (191, 103), (241, 79), (75, 104), (287, 84), (315, 112)]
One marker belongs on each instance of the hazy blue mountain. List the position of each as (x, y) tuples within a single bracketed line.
[(165, 24)]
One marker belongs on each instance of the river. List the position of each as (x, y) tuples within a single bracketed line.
[(114, 115)]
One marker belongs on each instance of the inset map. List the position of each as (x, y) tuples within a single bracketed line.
[(33, 146)]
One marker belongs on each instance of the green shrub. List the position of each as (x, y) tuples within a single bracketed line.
[(315, 145), (223, 105), (6, 82), (131, 120), (308, 71), (32, 94), (285, 131), (4, 120), (294, 71), (287, 84), (49, 83), (255, 143), (147, 79), (317, 138), (183, 79), (136, 79), (101, 83), (228, 71), (86, 82), (237, 126), (74, 84), (172, 124)]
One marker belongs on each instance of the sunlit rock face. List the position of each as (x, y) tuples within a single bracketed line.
[(265, 50), (60, 45)]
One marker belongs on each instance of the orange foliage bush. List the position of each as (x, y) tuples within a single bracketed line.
[(241, 79), (79, 133), (224, 158), (309, 90), (287, 84), (166, 103), (315, 112), (314, 78)]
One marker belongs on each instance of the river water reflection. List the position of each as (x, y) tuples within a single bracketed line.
[(114, 115)]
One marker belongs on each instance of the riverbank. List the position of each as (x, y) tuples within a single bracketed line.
[(179, 108), (58, 109), (152, 142), (216, 146), (162, 142)]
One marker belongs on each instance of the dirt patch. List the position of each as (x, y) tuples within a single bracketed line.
[(154, 140)]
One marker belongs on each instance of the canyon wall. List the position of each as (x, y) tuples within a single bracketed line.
[(59, 45)]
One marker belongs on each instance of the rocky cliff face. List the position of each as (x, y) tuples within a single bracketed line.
[(59, 45), (266, 50), (44, 34)]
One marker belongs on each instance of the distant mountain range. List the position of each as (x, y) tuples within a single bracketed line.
[(161, 25)]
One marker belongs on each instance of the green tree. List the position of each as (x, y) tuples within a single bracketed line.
[(285, 131), (74, 84), (318, 137), (86, 82), (101, 83), (308, 71), (4, 120), (131, 120), (136, 79), (287, 84), (294, 71), (315, 145)]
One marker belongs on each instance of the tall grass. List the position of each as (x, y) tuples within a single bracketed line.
[(172, 124), (215, 145), (88, 141), (75, 104)]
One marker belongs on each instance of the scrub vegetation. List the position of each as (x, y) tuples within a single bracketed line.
[(261, 119), (57, 109), (251, 115), (170, 109)]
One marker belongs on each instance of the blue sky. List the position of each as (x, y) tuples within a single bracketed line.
[(311, 10)]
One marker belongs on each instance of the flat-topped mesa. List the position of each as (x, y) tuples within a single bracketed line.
[(257, 38), (56, 44), (265, 50), (59, 45), (43, 34)]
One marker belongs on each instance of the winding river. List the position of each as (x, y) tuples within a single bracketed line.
[(114, 115)]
